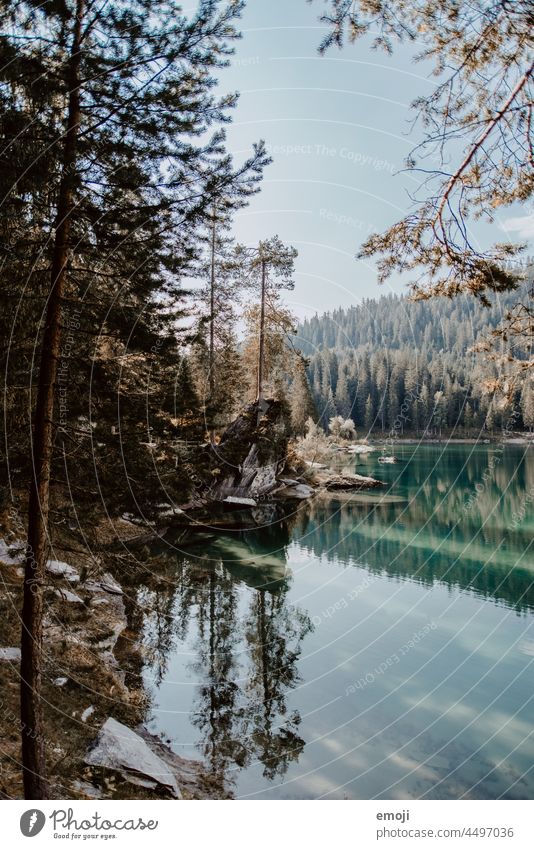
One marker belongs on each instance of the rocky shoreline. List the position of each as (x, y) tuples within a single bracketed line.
[(252, 467), (101, 747)]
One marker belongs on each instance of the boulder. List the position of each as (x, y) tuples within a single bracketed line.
[(106, 584), (119, 748), (62, 570), (240, 502), (68, 596), (10, 654), (332, 481), (299, 491)]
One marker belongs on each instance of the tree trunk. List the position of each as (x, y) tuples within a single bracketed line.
[(261, 351), (33, 748), (212, 311), (212, 673)]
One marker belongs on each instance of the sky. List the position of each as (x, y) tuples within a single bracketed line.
[(339, 128)]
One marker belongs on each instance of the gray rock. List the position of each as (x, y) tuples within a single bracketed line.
[(62, 570), (264, 479), (332, 481), (89, 711), (10, 654), (252, 451), (106, 583), (299, 492), (66, 595), (244, 502), (86, 789), (119, 748), (360, 449), (59, 682)]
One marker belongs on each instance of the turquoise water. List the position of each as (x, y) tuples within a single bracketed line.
[(378, 645)]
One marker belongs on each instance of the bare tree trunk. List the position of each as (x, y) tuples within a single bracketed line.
[(33, 749), (212, 685), (212, 310), (261, 351)]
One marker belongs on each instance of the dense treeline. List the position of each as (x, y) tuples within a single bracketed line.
[(393, 364)]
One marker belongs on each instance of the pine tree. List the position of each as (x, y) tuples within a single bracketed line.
[(128, 121), (302, 403), (343, 402), (527, 404), (268, 269), (369, 417), (278, 356), (219, 267), (439, 416)]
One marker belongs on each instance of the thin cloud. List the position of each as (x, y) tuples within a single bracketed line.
[(524, 225)]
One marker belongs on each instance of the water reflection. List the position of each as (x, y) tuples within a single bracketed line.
[(245, 648), (453, 519), (236, 669)]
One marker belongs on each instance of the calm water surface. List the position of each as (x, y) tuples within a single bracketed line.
[(379, 645)]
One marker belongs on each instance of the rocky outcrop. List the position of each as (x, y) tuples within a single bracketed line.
[(251, 453), (62, 570), (354, 449), (295, 490), (331, 481), (120, 749), (89, 638)]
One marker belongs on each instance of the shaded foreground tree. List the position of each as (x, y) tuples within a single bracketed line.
[(117, 103), (479, 118), (33, 753)]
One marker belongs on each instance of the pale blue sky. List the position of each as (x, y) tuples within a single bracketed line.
[(338, 128)]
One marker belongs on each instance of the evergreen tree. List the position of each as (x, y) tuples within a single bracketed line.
[(343, 403), (302, 403), (278, 356), (125, 132), (527, 404), (369, 417), (268, 269), (219, 268), (439, 416)]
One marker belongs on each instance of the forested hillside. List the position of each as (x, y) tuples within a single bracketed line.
[(393, 363)]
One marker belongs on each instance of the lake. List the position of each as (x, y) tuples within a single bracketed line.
[(378, 645)]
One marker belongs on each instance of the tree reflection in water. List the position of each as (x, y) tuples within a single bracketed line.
[(230, 604), (441, 518)]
